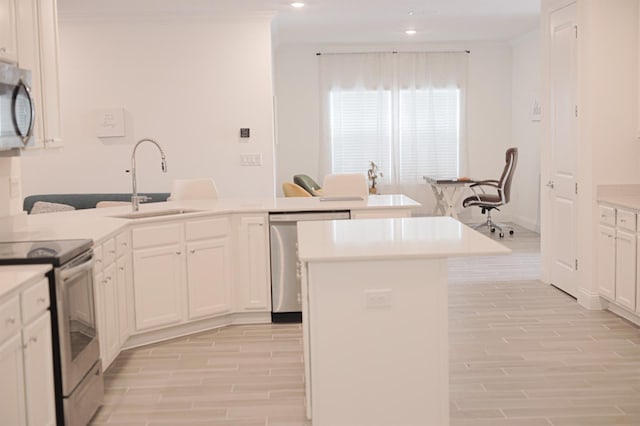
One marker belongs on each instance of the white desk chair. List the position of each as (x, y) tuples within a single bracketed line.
[(193, 189), (345, 185)]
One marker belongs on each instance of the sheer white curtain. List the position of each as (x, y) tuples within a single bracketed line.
[(404, 111)]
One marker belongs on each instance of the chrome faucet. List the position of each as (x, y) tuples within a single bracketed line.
[(135, 198)]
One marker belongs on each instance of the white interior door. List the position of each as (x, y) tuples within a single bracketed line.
[(564, 131)]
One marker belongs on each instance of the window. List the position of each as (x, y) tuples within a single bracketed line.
[(427, 141), (404, 111)]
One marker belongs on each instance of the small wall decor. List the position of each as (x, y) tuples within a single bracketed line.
[(110, 123)]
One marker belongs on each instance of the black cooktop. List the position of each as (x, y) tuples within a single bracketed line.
[(55, 252)]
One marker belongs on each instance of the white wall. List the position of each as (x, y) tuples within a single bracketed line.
[(189, 83), (489, 130), (526, 131)]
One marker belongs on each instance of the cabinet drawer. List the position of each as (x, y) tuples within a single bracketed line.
[(158, 235), (607, 215), (109, 251), (123, 243), (208, 228), (10, 318), (35, 300), (626, 219)]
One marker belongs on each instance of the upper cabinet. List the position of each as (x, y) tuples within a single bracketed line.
[(38, 52), (8, 31)]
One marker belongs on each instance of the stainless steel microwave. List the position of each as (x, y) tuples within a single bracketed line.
[(17, 109)]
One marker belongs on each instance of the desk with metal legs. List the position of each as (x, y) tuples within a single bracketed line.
[(448, 193)]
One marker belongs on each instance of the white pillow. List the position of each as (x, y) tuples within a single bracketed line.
[(47, 207)]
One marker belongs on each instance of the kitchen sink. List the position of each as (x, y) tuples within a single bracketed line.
[(157, 213)]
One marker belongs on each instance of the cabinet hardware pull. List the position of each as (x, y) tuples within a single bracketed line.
[(41, 299), (192, 251), (3, 49), (122, 268), (178, 252), (33, 339), (11, 320)]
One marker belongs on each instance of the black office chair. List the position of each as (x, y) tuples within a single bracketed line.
[(310, 185), (491, 201)]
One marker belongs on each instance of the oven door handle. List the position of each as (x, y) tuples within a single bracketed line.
[(65, 274)]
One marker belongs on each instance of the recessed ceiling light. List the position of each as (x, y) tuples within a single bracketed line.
[(410, 32), (297, 4)]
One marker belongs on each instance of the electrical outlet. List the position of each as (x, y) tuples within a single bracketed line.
[(377, 298)]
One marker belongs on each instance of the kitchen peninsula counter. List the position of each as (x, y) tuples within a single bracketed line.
[(100, 223), (375, 316)]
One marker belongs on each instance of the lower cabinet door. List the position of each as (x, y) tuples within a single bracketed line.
[(606, 263), (38, 372), (109, 332), (626, 269), (158, 286), (208, 277), (12, 397)]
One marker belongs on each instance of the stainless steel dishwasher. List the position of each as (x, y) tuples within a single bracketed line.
[(285, 283)]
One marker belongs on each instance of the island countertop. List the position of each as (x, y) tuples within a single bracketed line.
[(416, 237)]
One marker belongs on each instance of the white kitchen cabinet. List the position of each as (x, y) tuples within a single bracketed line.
[(158, 286), (38, 370), (113, 292), (209, 267), (124, 279), (26, 360), (254, 282), (617, 256), (606, 249), (108, 331), (8, 31), (606, 267), (625, 293), (208, 277), (38, 51), (12, 397)]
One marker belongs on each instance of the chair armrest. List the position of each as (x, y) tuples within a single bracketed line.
[(492, 183)]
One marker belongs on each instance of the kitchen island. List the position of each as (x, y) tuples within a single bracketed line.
[(375, 318)]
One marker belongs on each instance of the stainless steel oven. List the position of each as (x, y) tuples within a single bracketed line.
[(82, 387), (77, 368)]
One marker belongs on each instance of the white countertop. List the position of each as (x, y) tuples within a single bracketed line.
[(98, 224), (13, 276), (416, 237), (621, 200)]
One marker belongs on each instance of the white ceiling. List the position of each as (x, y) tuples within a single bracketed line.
[(347, 21)]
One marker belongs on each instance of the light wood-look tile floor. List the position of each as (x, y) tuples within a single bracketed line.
[(522, 353)]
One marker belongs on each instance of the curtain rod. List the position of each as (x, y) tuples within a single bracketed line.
[(394, 52)]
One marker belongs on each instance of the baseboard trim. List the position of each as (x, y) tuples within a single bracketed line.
[(172, 332), (622, 312), (591, 300)]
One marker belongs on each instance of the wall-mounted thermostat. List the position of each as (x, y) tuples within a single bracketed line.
[(244, 132)]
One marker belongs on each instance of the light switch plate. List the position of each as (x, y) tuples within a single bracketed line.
[(251, 159)]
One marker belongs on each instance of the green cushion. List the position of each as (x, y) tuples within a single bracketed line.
[(306, 182)]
